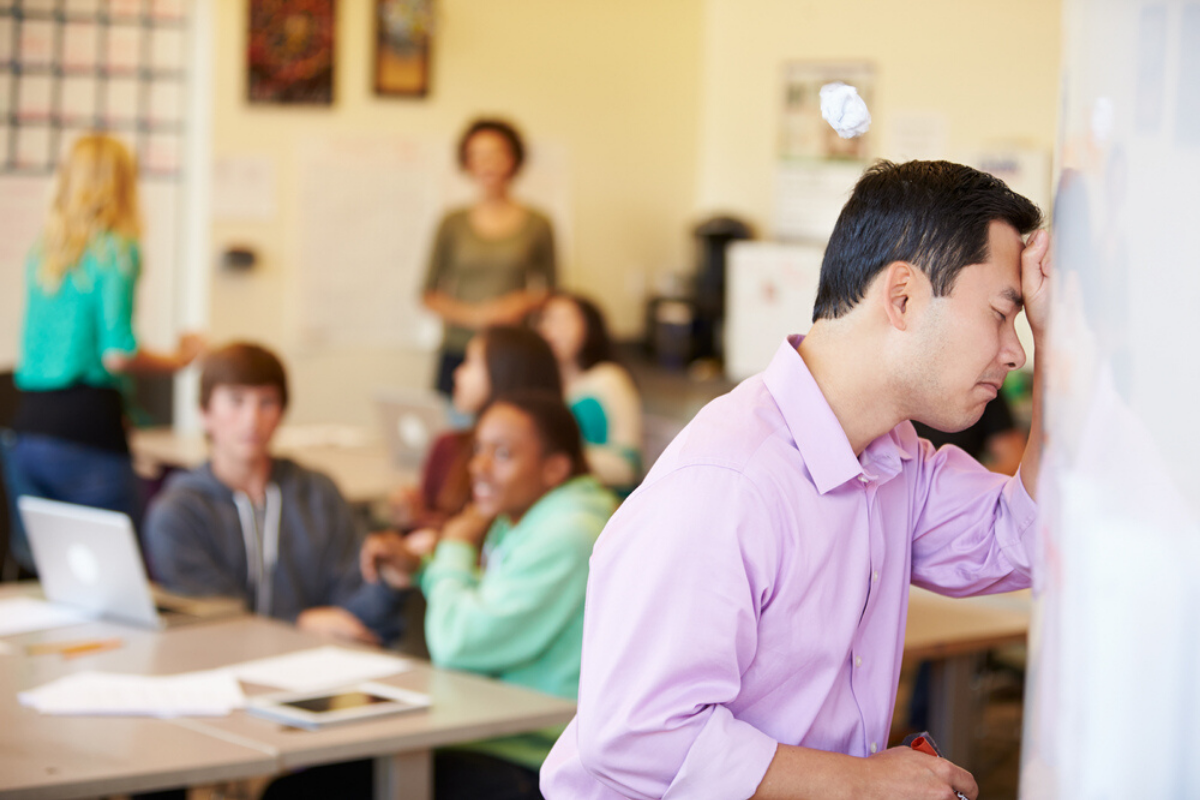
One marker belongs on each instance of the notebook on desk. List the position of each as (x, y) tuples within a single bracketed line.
[(88, 558), (411, 421)]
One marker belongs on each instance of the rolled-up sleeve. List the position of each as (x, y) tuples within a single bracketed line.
[(672, 612), (975, 530)]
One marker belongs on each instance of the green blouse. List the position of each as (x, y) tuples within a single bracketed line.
[(68, 331)]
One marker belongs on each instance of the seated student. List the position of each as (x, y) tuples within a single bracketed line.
[(535, 515), (499, 359), (599, 391), (266, 529)]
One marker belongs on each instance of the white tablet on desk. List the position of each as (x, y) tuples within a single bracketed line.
[(313, 710)]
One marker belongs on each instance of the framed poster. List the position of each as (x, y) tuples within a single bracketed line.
[(291, 51), (803, 132), (403, 35)]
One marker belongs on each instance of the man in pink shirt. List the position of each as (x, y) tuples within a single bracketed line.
[(746, 606)]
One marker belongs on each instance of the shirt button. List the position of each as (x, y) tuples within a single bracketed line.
[(875, 575), (874, 747), (863, 479), (858, 661)]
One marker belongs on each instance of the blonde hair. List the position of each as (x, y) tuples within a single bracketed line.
[(96, 194)]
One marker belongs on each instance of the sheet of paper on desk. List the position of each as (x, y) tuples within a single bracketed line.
[(319, 668), (211, 693), (28, 614)]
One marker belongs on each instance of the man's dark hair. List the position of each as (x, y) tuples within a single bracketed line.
[(933, 214), (504, 129), (242, 364), (556, 427), (518, 358)]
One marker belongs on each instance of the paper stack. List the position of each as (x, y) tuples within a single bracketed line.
[(319, 668), (27, 614), (193, 694)]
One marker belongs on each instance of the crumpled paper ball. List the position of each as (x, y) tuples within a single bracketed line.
[(844, 110)]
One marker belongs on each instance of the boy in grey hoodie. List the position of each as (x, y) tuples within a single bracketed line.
[(268, 530)]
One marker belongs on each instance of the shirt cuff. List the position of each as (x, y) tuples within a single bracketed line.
[(728, 759), (1023, 508), (1018, 539)]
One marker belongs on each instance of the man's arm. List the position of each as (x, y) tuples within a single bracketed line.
[(376, 606), (1035, 290), (677, 586), (800, 773)]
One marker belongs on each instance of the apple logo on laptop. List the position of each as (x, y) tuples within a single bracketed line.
[(83, 564)]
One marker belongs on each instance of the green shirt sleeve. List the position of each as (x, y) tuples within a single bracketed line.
[(491, 621), (119, 263)]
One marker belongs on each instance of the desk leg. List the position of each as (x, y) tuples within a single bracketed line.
[(404, 776), (953, 708)]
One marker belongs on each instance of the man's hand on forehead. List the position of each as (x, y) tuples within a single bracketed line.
[(1035, 280)]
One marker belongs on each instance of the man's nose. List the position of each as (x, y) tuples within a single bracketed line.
[(1014, 353)]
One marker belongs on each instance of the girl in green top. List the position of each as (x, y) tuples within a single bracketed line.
[(599, 391), (78, 343), (505, 585)]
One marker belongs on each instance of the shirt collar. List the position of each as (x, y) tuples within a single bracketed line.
[(815, 429)]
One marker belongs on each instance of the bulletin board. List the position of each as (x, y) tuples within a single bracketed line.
[(68, 67)]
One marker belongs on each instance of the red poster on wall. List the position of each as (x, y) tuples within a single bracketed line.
[(291, 51)]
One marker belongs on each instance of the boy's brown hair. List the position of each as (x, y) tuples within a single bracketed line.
[(242, 364)]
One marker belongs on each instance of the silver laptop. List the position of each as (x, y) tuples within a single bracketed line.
[(411, 421), (88, 558)]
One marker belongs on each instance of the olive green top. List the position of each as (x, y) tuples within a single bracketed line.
[(471, 268)]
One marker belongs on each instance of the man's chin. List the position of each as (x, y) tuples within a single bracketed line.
[(952, 426)]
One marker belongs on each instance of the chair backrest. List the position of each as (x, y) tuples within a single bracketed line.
[(8, 410)]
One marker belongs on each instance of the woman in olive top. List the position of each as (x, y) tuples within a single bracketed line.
[(78, 342), (492, 262), (505, 586)]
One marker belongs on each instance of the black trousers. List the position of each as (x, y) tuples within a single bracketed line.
[(457, 775)]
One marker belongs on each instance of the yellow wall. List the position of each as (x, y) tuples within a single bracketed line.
[(614, 83), (666, 108), (989, 66)]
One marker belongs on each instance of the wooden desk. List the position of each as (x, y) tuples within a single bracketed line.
[(955, 634), (66, 757), (465, 707), (358, 464)]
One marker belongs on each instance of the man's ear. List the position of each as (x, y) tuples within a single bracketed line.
[(556, 468), (901, 281)]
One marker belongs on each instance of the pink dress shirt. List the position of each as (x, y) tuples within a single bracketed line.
[(754, 590)]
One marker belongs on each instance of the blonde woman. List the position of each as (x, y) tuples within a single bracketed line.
[(78, 343)]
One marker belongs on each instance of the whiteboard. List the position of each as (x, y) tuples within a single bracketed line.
[(1113, 689), (369, 207)]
